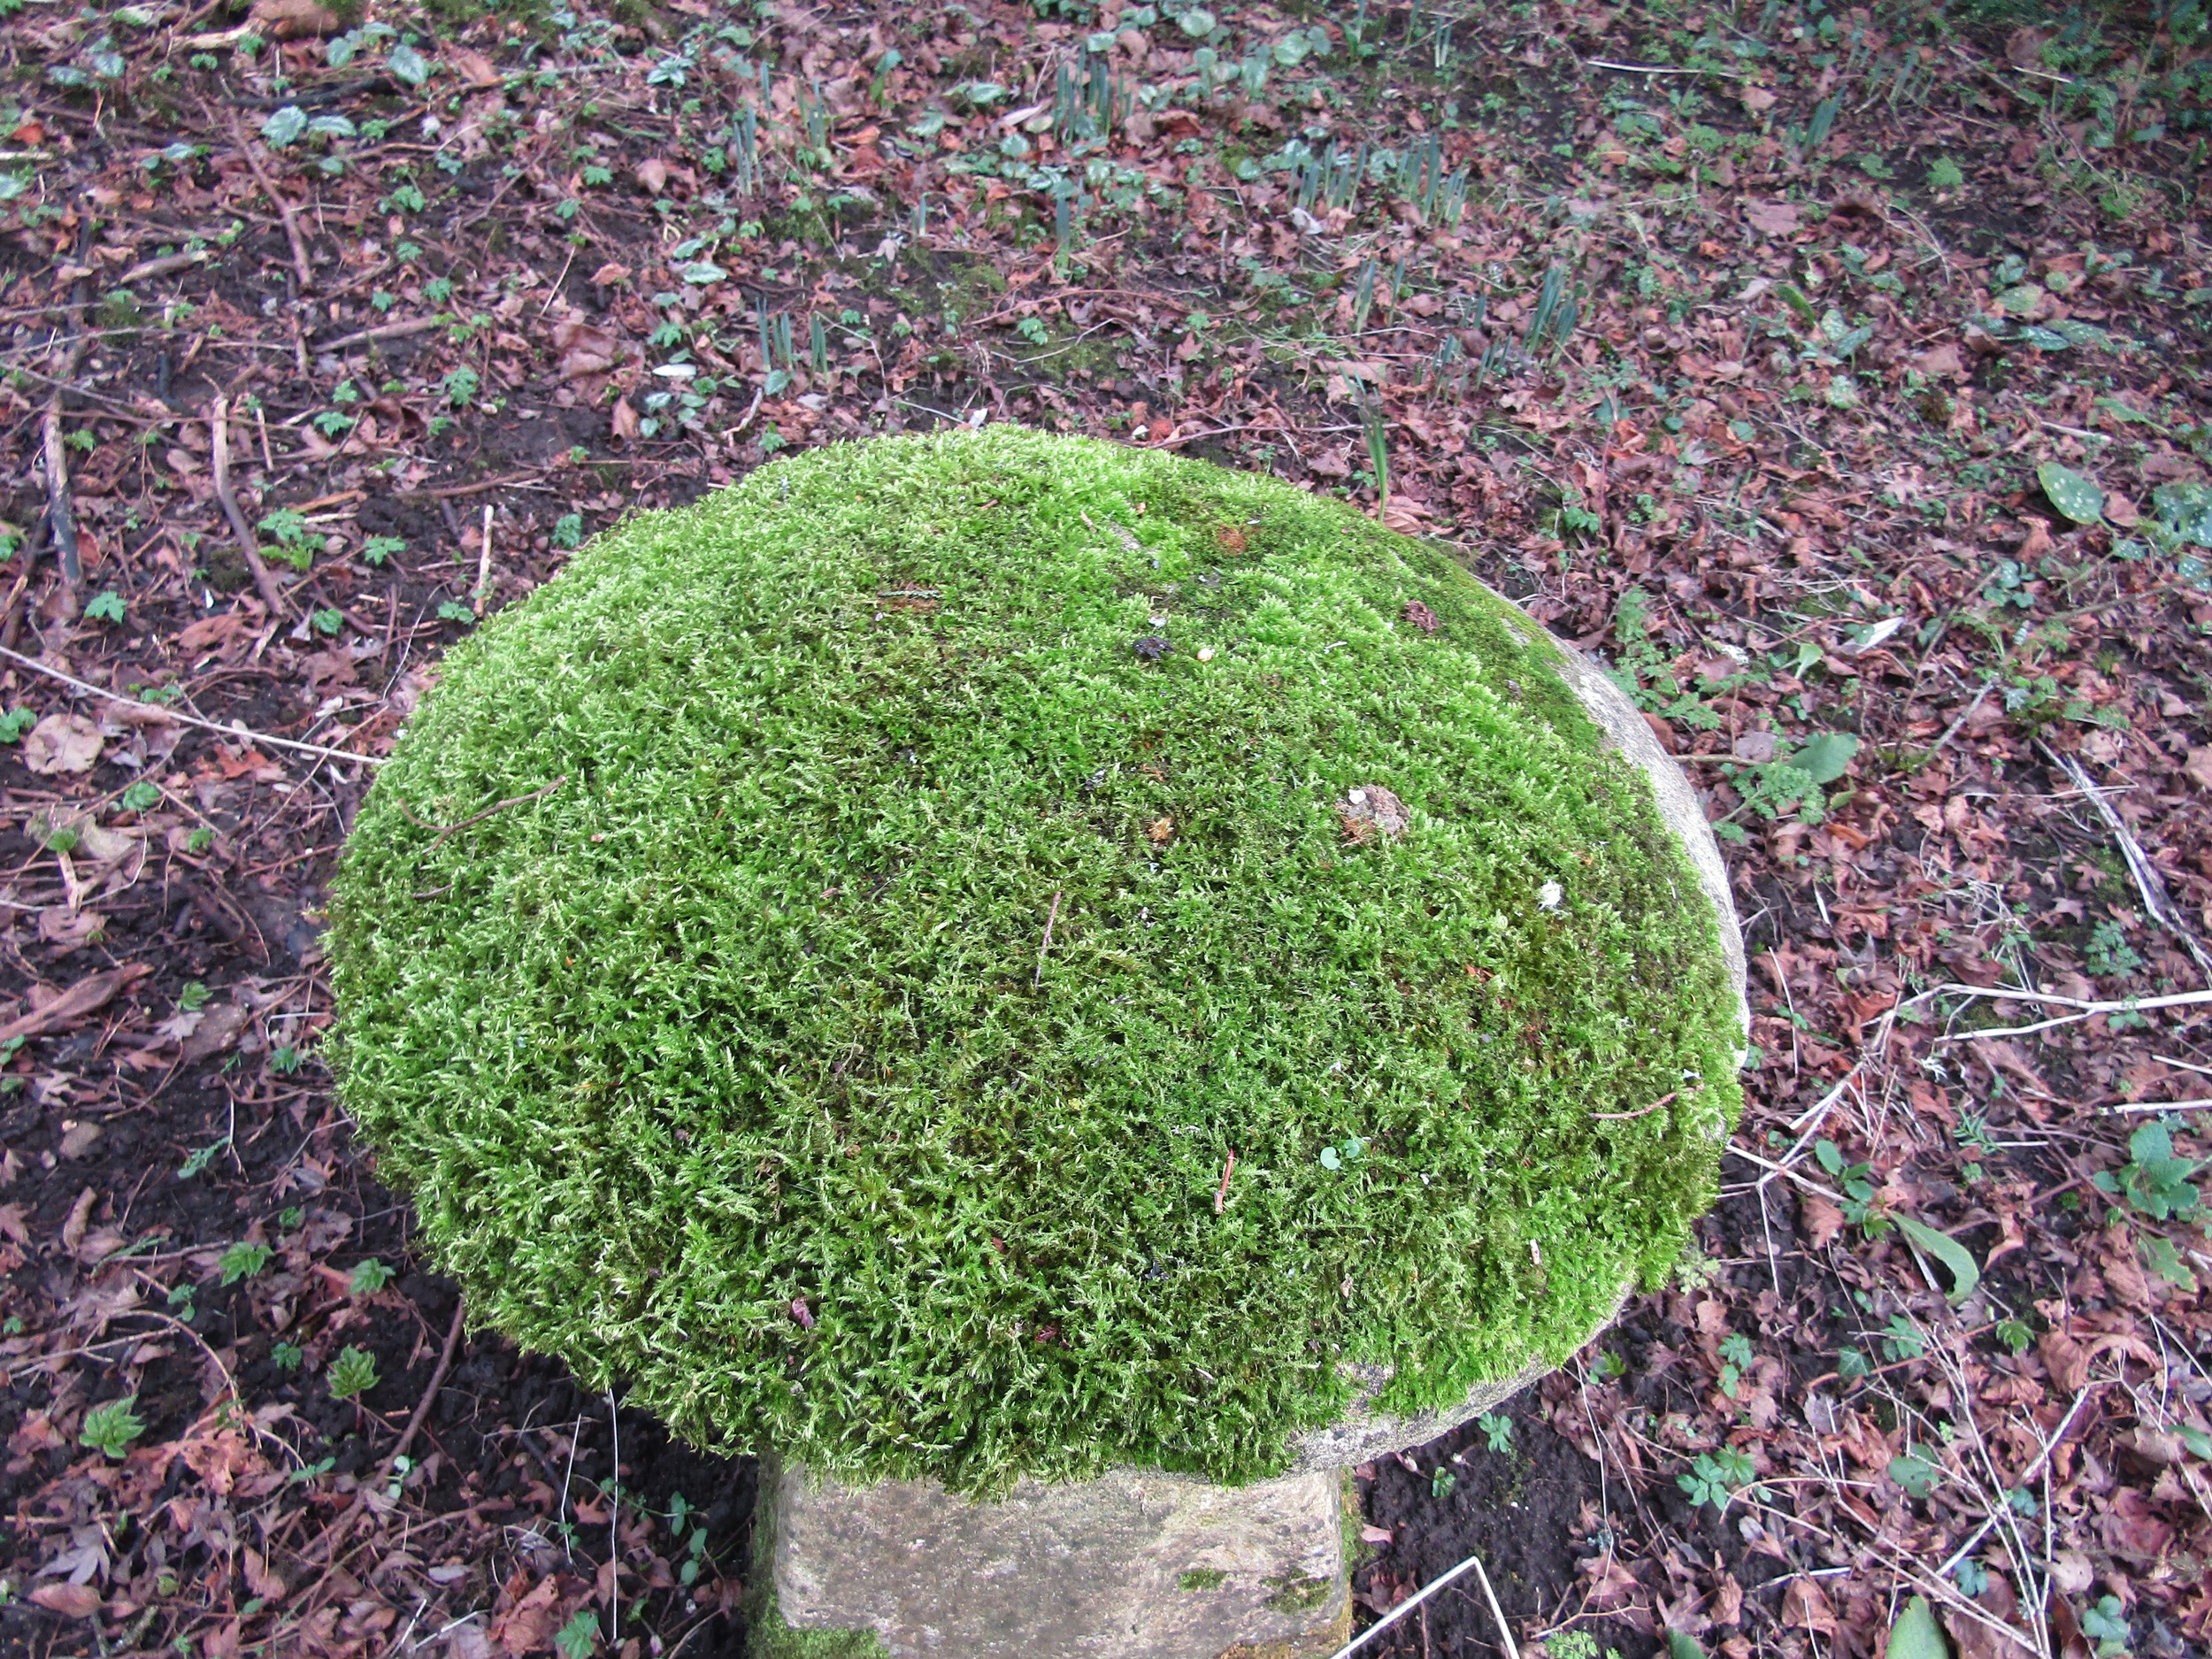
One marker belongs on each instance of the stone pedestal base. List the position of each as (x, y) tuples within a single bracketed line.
[(1137, 1566)]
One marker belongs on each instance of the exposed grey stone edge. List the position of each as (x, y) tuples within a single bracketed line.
[(1677, 803), (1359, 1436), (1085, 1571)]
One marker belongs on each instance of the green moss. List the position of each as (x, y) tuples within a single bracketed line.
[(733, 1067), (1201, 1578)]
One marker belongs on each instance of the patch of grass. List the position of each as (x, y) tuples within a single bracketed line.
[(731, 1063)]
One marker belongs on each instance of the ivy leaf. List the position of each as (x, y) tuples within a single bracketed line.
[(2074, 496), (1915, 1473), (1827, 757), (1917, 1635), (1954, 1256), (284, 126), (406, 63)]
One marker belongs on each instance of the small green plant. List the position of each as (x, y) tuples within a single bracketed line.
[(1497, 1429), (578, 1638), (1945, 175), (369, 1277), (200, 840), (196, 1165), (2107, 1624), (105, 607), (353, 1374), (141, 796), (286, 1357), (1915, 1473), (1736, 1356), (1442, 1481), (1717, 1475), (111, 1428), (460, 388), (2107, 955), (377, 549), (568, 530), (2153, 1182), (243, 1260), (327, 622), (2015, 1334), (1033, 330), (15, 722), (1857, 1182), (452, 610), (1346, 1151), (193, 996)]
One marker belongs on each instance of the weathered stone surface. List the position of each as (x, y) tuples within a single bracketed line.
[(1139, 1566)]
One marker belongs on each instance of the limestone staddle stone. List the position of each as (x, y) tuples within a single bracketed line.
[(1127, 1565), (1132, 1564)]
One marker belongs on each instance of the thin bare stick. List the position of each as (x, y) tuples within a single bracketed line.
[(2147, 881), (453, 829), (1229, 1169), (1828, 1193), (2089, 1010), (429, 1395), (1505, 1631), (382, 331), (304, 271), (61, 517), (234, 729), (1039, 977), (218, 460), (1641, 1111), (484, 561), (1404, 1608), (2026, 1475), (2153, 1106)]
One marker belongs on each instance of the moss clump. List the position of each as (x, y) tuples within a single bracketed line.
[(733, 1068)]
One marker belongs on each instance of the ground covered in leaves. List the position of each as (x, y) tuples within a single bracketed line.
[(1837, 375)]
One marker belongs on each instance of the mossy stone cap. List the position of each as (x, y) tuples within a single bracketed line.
[(941, 856)]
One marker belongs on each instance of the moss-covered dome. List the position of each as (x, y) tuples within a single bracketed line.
[(733, 1062)]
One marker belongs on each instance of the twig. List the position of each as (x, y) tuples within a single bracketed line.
[(447, 492), (1641, 1111), (168, 265), (429, 1395), (1229, 1169), (2147, 881), (454, 829), (382, 331), (484, 562), (218, 459), (614, 1523), (1951, 730), (1828, 1193), (61, 516), (237, 729), (1039, 977), (1406, 1607), (2026, 1475), (1505, 1631), (2089, 1010), (300, 266)]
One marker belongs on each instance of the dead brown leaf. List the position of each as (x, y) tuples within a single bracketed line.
[(62, 743)]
